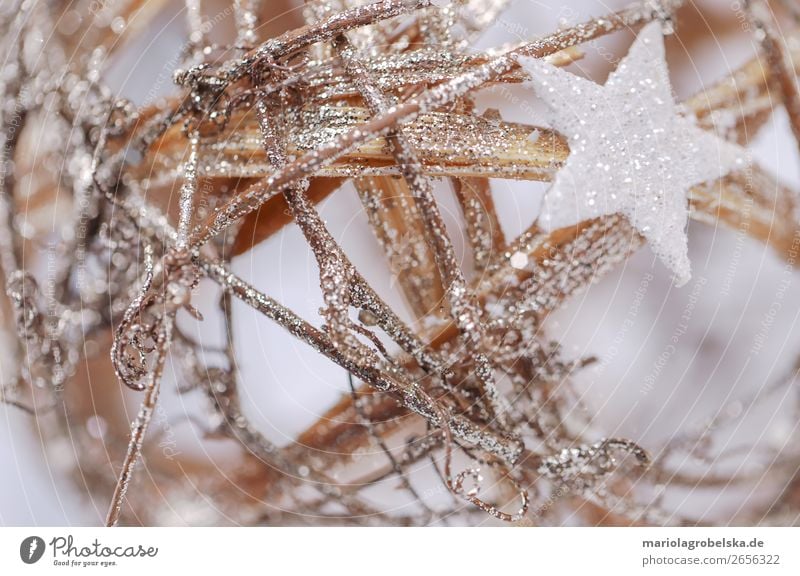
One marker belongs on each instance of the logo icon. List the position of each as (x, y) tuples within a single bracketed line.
[(31, 550)]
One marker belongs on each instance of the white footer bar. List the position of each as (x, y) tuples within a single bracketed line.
[(401, 551)]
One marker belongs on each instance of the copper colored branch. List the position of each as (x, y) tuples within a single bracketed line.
[(780, 61), (430, 100)]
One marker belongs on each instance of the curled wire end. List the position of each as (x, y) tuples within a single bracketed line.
[(133, 341), (641, 455), (471, 495), (129, 352), (583, 467), (139, 334)]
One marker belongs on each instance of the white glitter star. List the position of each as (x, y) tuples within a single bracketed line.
[(631, 151)]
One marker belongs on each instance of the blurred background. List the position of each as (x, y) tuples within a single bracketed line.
[(668, 357)]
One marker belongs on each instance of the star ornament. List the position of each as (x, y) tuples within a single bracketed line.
[(632, 152)]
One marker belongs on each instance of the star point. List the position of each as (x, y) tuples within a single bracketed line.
[(631, 150)]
